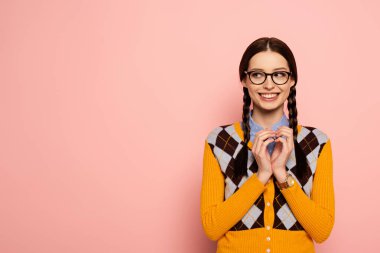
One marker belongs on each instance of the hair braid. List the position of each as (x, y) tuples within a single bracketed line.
[(246, 115), (242, 157), (292, 108), (301, 162)]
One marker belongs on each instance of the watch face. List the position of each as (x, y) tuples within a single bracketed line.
[(290, 181)]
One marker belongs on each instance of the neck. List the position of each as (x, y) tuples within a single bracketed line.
[(267, 118)]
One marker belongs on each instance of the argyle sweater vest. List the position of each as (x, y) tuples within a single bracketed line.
[(225, 144)]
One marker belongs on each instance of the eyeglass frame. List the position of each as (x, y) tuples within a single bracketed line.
[(266, 75)]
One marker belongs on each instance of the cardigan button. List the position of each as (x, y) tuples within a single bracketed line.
[(268, 203), (268, 227), (268, 238), (268, 250)]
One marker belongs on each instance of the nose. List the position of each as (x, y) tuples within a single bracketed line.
[(269, 84)]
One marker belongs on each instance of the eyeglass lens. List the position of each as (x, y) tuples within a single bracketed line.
[(279, 77)]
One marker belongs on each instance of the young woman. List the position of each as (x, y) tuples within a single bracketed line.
[(267, 182)]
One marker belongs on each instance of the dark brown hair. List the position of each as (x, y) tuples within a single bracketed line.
[(259, 45)]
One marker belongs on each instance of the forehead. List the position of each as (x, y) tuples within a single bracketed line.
[(268, 61)]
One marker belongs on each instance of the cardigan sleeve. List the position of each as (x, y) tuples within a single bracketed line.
[(317, 213), (219, 215)]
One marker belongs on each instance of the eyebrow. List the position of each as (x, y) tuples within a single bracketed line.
[(273, 69)]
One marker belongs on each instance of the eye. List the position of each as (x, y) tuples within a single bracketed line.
[(280, 74), (256, 74)]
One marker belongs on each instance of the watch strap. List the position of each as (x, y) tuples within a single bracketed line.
[(283, 185)]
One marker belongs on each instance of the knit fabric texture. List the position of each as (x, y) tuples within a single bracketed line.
[(244, 215)]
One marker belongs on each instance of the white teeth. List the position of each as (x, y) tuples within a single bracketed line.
[(268, 95)]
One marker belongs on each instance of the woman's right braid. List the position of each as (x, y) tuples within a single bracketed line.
[(242, 158), (246, 115)]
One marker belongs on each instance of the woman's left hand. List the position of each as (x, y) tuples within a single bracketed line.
[(282, 150)]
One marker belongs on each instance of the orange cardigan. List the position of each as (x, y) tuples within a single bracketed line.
[(316, 214)]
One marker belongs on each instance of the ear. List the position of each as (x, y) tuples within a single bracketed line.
[(243, 82), (292, 82)]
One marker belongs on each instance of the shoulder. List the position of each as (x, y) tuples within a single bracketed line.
[(223, 132), (313, 132), (312, 138)]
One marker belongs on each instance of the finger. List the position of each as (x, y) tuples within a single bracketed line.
[(286, 128), (255, 140), (287, 135), (284, 144), (264, 145), (287, 132), (283, 133), (261, 137)]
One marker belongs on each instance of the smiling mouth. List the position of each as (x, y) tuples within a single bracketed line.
[(269, 95)]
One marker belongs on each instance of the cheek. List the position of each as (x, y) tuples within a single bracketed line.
[(286, 94), (253, 93)]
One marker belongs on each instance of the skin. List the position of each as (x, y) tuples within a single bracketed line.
[(266, 114)]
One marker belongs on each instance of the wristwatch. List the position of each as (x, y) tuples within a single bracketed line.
[(289, 182)]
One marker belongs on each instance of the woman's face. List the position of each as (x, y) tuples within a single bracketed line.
[(268, 62)]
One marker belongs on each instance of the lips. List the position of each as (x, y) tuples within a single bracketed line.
[(269, 95)]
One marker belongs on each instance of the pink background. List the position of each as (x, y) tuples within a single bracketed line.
[(105, 105)]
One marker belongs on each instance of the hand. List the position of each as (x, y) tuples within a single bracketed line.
[(282, 151), (261, 153)]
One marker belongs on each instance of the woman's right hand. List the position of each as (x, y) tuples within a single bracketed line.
[(261, 153)]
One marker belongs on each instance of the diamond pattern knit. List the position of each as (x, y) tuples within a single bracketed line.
[(244, 215)]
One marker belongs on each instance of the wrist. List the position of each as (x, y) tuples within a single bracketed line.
[(263, 177), (281, 175), (286, 183)]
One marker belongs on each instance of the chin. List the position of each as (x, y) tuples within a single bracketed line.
[(270, 108)]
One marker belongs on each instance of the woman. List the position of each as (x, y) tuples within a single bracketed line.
[(267, 181)]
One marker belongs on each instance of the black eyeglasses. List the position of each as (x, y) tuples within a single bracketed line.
[(259, 77)]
